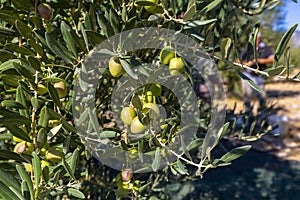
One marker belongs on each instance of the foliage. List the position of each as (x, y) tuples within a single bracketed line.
[(41, 154)]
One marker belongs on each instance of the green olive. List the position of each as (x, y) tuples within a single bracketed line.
[(137, 126), (115, 67), (127, 115), (54, 154), (42, 89), (151, 8), (176, 66), (166, 54)]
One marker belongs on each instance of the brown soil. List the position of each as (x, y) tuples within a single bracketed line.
[(286, 96)]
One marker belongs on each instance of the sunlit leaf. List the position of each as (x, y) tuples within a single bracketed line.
[(283, 43), (37, 170), (235, 153), (25, 177), (66, 33), (58, 49), (190, 13), (75, 193)]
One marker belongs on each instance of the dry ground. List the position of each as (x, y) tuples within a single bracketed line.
[(286, 96)]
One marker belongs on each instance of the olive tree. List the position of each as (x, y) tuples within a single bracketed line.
[(65, 67)]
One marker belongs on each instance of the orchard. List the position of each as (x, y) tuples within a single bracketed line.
[(98, 97)]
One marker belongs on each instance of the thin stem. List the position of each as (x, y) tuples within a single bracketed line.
[(251, 69)]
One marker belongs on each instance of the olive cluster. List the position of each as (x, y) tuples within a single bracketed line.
[(149, 110), (168, 57)]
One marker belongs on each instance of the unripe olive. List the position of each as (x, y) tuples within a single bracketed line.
[(151, 8), (42, 89), (137, 126), (54, 154), (166, 54), (45, 11), (115, 67), (176, 66), (127, 115)]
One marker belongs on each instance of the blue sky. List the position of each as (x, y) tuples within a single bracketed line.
[(293, 14)]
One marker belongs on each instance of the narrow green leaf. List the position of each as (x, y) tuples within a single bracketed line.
[(12, 104), (75, 193), (53, 94), (114, 21), (9, 180), (179, 167), (23, 71), (66, 33), (24, 5), (5, 136), (25, 190), (14, 120), (276, 71), (8, 64), (8, 32), (74, 161), (6, 193), (44, 117), (128, 68), (190, 13), (9, 155), (235, 153), (24, 29), (156, 162), (20, 97), (124, 14), (211, 5), (109, 134), (195, 144), (184, 147), (136, 102), (283, 43), (145, 3), (34, 103), (287, 55), (37, 170), (19, 133), (58, 49), (25, 177), (87, 22), (5, 55), (46, 174), (250, 82), (34, 63), (85, 38), (23, 50), (95, 37), (104, 25), (41, 138), (68, 169), (8, 18), (197, 23), (93, 120), (225, 46)]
